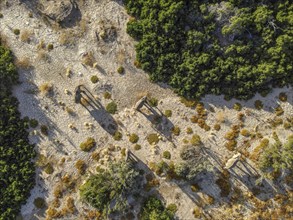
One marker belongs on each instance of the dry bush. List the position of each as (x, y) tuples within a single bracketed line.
[(283, 97), (56, 203), (188, 102), (120, 56), (254, 156), (46, 88), (217, 127), (83, 26), (176, 130), (194, 119), (88, 59), (279, 110), (26, 35), (41, 45), (220, 117), (95, 156), (80, 166), (189, 130), (70, 205), (231, 135), (67, 37), (42, 56), (245, 133), (58, 191), (23, 63), (231, 145), (3, 40), (52, 213), (206, 127)]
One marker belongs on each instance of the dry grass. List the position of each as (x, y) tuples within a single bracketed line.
[(23, 63), (254, 156), (67, 37), (120, 57), (220, 117), (26, 35), (42, 56), (88, 59), (46, 88)]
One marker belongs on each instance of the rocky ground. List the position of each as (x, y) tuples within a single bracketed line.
[(97, 44)]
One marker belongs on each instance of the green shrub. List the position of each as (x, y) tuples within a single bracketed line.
[(117, 136), (283, 97), (44, 130), (121, 70), (258, 104), (89, 144), (167, 155), (137, 147), (189, 130), (188, 102), (279, 110), (39, 203), (111, 108), (172, 208), (123, 180), (196, 140), (133, 138), (153, 102), (245, 133), (153, 138), (231, 145), (1, 15), (33, 123), (16, 31), (49, 169), (107, 95), (176, 130), (168, 113), (94, 79), (237, 106), (80, 166), (50, 47)]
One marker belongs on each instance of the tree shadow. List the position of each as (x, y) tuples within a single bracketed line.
[(269, 102), (96, 109), (160, 123), (259, 186)]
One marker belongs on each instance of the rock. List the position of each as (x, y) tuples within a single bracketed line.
[(95, 65), (232, 161), (64, 12), (68, 72)]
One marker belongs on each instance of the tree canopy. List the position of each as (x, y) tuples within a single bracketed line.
[(16, 167), (200, 47), (108, 190)]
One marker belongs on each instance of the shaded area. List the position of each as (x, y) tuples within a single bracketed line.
[(160, 123), (96, 109)]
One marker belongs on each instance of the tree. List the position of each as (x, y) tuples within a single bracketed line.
[(108, 190)]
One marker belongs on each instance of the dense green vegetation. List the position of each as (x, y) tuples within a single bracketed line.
[(278, 157), (108, 190), (233, 47), (16, 167), (153, 209)]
